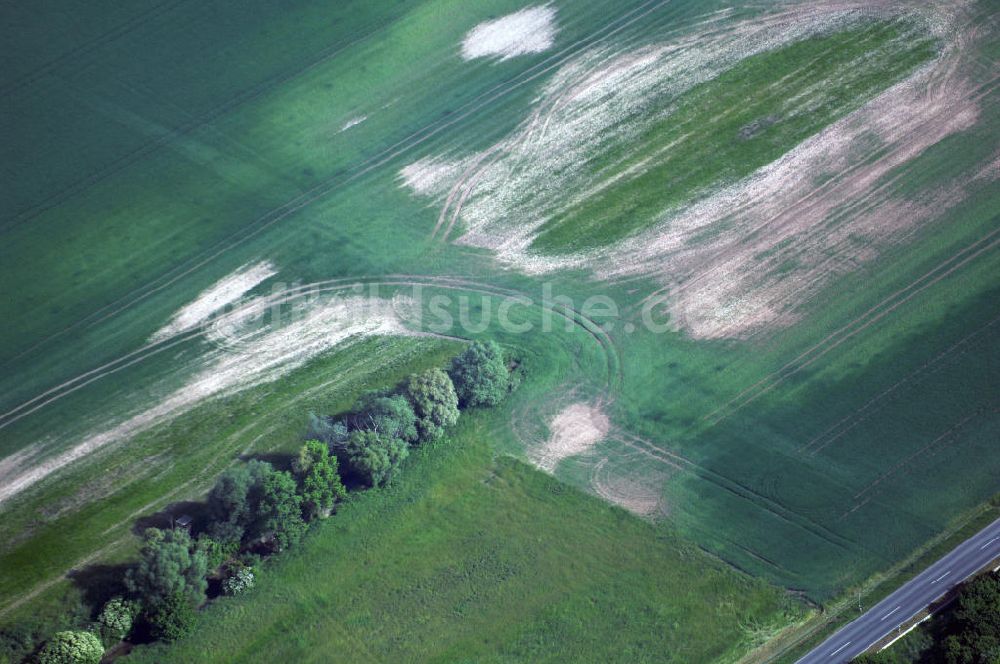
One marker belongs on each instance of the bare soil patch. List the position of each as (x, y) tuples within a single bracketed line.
[(574, 431), (531, 30), (747, 257)]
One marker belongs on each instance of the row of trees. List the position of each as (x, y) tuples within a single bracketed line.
[(255, 509), (375, 438)]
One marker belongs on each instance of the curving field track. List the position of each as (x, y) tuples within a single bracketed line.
[(790, 207)]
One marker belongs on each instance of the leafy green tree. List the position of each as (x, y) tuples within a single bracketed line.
[(977, 623), (168, 566), (233, 501), (434, 401), (388, 414), (116, 619), (373, 456), (319, 479), (279, 513), (18, 640), (480, 375), (72, 648), (171, 618)]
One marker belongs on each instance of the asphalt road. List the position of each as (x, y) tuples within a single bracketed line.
[(888, 616)]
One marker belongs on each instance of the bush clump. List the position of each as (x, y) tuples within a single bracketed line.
[(168, 566), (374, 457), (239, 582), (388, 414), (480, 375), (172, 617), (319, 480), (72, 648), (434, 401), (116, 618)]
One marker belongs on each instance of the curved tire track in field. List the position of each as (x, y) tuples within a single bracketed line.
[(643, 500), (591, 328), (67, 387), (521, 142), (481, 102), (736, 488), (612, 379), (522, 146), (835, 191)]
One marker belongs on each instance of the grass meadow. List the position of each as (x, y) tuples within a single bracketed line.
[(479, 557)]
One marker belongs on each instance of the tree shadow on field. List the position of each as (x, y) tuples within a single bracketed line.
[(167, 517), (280, 460), (99, 583)]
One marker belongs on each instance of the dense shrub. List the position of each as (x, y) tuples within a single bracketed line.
[(480, 375), (168, 566), (72, 648), (374, 457), (115, 619), (391, 415), (255, 501), (319, 479), (17, 641), (217, 551), (976, 623), (233, 503), (240, 581), (434, 401), (172, 617), (279, 511)]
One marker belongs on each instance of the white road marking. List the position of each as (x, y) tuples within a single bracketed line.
[(941, 577), (840, 648), (890, 613), (988, 543)]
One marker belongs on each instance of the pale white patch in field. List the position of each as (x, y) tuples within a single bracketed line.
[(788, 237), (429, 176), (11, 465), (743, 257), (225, 292), (264, 357), (575, 430), (531, 30), (639, 493), (598, 99), (990, 172), (353, 122)]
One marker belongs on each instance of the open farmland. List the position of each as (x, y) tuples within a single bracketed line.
[(791, 206), (430, 582)]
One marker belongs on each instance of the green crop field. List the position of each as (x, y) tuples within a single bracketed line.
[(696, 141), (771, 231)]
